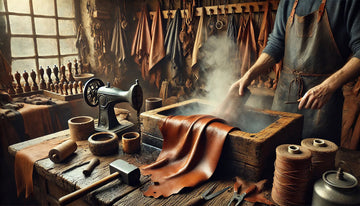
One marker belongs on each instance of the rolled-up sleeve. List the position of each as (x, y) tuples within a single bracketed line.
[(276, 43), (352, 20)]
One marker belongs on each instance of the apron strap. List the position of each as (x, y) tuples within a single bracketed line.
[(321, 10), (291, 17)]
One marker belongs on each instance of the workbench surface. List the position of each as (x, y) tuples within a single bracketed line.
[(52, 181)]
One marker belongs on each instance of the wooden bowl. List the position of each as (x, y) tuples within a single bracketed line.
[(81, 127), (104, 143)]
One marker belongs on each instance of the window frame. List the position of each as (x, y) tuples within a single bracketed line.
[(35, 36)]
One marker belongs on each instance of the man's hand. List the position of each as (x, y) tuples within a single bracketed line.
[(316, 97), (238, 88)]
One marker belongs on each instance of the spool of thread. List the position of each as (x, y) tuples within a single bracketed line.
[(322, 155), (62, 151), (291, 175)]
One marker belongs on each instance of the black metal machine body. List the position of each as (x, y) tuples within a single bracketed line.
[(96, 93)]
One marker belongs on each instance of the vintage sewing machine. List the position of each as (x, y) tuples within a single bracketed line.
[(96, 93)]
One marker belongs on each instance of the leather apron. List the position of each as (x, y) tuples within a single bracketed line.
[(311, 55)]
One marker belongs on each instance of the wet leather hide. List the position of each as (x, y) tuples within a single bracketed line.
[(191, 150)]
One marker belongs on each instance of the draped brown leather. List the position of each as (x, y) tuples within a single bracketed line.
[(247, 45), (191, 150), (140, 48), (24, 164), (157, 49)]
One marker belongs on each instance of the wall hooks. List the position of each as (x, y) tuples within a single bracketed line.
[(256, 6)]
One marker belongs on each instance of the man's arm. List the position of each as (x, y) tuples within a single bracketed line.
[(317, 96), (262, 65)]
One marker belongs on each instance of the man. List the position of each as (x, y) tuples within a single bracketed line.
[(320, 43)]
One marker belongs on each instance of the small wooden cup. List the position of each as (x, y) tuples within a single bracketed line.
[(131, 142), (81, 127)]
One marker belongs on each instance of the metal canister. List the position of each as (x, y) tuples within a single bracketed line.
[(336, 188)]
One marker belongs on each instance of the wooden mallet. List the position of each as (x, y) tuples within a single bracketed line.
[(121, 169)]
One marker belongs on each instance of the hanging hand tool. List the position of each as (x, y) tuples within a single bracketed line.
[(240, 197), (205, 196)]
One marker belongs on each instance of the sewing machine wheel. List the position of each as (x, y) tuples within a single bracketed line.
[(90, 91)]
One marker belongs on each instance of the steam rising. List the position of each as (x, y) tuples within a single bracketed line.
[(218, 66)]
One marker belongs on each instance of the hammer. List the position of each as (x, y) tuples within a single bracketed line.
[(121, 169)]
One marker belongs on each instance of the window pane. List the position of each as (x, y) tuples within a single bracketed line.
[(48, 62), (22, 47), (23, 64), (66, 8), (65, 60), (47, 46), (45, 26), (44, 7), (67, 46), (20, 6), (67, 27), (20, 24), (2, 8)]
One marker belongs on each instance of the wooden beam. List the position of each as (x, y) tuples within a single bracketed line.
[(221, 9)]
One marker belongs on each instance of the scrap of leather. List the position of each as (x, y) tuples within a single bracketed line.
[(187, 34), (24, 164), (5, 72), (119, 43), (157, 49), (140, 48), (201, 37), (173, 46), (247, 45), (231, 31), (258, 195), (191, 150)]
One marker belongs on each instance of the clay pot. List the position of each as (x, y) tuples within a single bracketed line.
[(131, 142), (153, 103), (104, 143), (81, 127)]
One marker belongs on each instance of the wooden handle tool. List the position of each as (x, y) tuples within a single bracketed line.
[(93, 163)]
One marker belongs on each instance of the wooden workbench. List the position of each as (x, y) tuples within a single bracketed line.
[(52, 181)]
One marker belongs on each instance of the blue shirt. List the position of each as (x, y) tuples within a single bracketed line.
[(344, 19)]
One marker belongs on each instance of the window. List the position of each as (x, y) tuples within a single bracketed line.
[(41, 32)]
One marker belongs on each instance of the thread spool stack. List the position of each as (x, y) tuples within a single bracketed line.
[(322, 155), (291, 175), (62, 151)]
